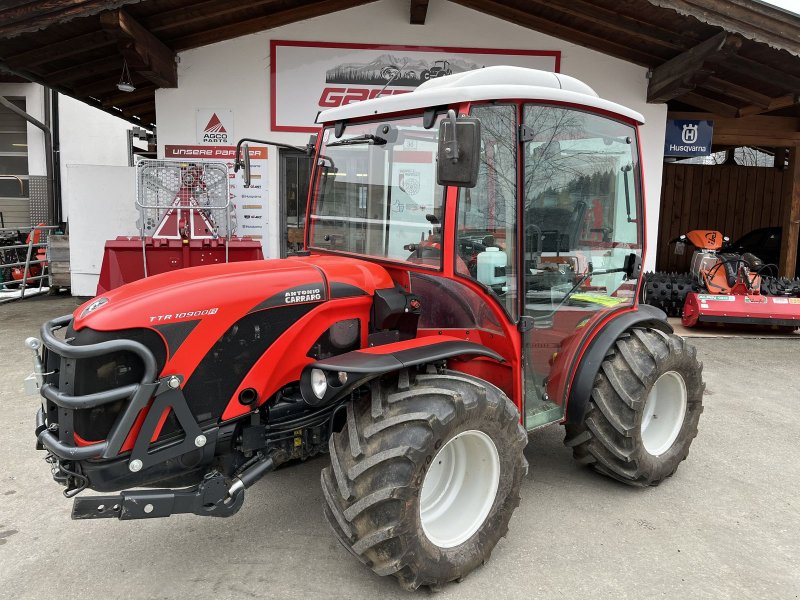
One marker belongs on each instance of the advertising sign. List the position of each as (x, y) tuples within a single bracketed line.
[(307, 77), (688, 138), (250, 216), (214, 126)]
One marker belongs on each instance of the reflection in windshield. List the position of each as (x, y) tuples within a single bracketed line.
[(377, 193)]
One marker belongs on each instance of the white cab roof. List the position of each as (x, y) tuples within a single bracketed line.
[(489, 83)]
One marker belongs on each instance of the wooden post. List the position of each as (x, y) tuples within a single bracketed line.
[(779, 159), (791, 215)]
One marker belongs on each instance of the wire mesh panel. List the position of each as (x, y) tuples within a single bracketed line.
[(183, 199)]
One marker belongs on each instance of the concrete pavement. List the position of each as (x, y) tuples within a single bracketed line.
[(726, 525)]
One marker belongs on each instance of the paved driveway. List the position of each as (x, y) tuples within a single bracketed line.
[(727, 525)]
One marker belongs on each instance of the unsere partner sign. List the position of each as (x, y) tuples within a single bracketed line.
[(688, 138)]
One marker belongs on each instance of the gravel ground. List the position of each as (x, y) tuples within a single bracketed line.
[(725, 526)]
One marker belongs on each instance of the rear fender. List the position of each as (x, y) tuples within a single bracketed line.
[(645, 316), (359, 366)]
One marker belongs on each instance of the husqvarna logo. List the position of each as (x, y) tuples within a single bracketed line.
[(689, 134)]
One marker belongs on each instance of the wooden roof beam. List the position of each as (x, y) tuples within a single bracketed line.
[(625, 25), (201, 11), (709, 104), (726, 88), (35, 16), (765, 74), (59, 50), (683, 73), (305, 11), (526, 18), (419, 11), (122, 99), (144, 52), (85, 70), (775, 104), (756, 21)]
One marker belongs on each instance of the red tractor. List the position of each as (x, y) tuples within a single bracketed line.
[(470, 274)]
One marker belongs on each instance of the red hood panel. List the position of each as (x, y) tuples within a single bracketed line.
[(232, 290)]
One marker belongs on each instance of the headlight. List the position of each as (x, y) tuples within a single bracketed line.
[(319, 383)]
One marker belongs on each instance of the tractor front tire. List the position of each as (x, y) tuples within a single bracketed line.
[(644, 409), (425, 476)]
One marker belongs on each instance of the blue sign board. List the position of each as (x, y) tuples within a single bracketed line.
[(688, 138)]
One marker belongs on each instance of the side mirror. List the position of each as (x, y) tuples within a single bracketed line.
[(311, 146), (458, 157), (246, 164), (633, 266)]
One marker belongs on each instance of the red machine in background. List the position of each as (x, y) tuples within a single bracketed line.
[(185, 220), (723, 288)]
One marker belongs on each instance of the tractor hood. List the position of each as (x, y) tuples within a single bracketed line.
[(231, 289)]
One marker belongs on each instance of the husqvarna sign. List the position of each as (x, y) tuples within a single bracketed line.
[(688, 138)]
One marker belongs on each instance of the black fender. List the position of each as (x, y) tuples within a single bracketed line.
[(350, 370), (646, 317)]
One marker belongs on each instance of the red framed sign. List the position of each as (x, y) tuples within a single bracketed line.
[(307, 77)]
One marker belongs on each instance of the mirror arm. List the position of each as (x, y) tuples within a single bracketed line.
[(238, 163), (453, 152)]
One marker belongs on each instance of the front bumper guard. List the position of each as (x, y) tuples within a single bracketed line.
[(138, 394), (166, 394)]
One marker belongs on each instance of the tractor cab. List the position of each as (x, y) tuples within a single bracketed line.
[(515, 222)]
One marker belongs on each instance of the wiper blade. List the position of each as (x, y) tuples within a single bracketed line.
[(367, 138)]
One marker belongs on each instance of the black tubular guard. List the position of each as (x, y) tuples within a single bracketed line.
[(362, 365), (137, 394), (645, 316)]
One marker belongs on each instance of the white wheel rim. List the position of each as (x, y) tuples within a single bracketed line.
[(459, 488), (663, 413)]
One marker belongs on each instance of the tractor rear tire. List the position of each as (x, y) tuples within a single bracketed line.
[(647, 374), (394, 445)]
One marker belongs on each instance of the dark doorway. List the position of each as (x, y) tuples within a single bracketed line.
[(295, 173)]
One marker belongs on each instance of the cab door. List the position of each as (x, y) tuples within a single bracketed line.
[(579, 205)]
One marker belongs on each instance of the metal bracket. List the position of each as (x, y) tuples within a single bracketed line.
[(209, 498), (194, 436), (525, 324), (526, 134)]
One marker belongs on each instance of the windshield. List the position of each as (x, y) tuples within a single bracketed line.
[(376, 192)]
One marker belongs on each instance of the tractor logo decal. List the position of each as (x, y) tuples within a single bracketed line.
[(294, 296), (184, 315), (215, 125), (403, 71), (711, 237), (689, 133)]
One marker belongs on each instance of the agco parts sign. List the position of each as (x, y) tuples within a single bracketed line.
[(214, 126), (307, 77), (688, 138)]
